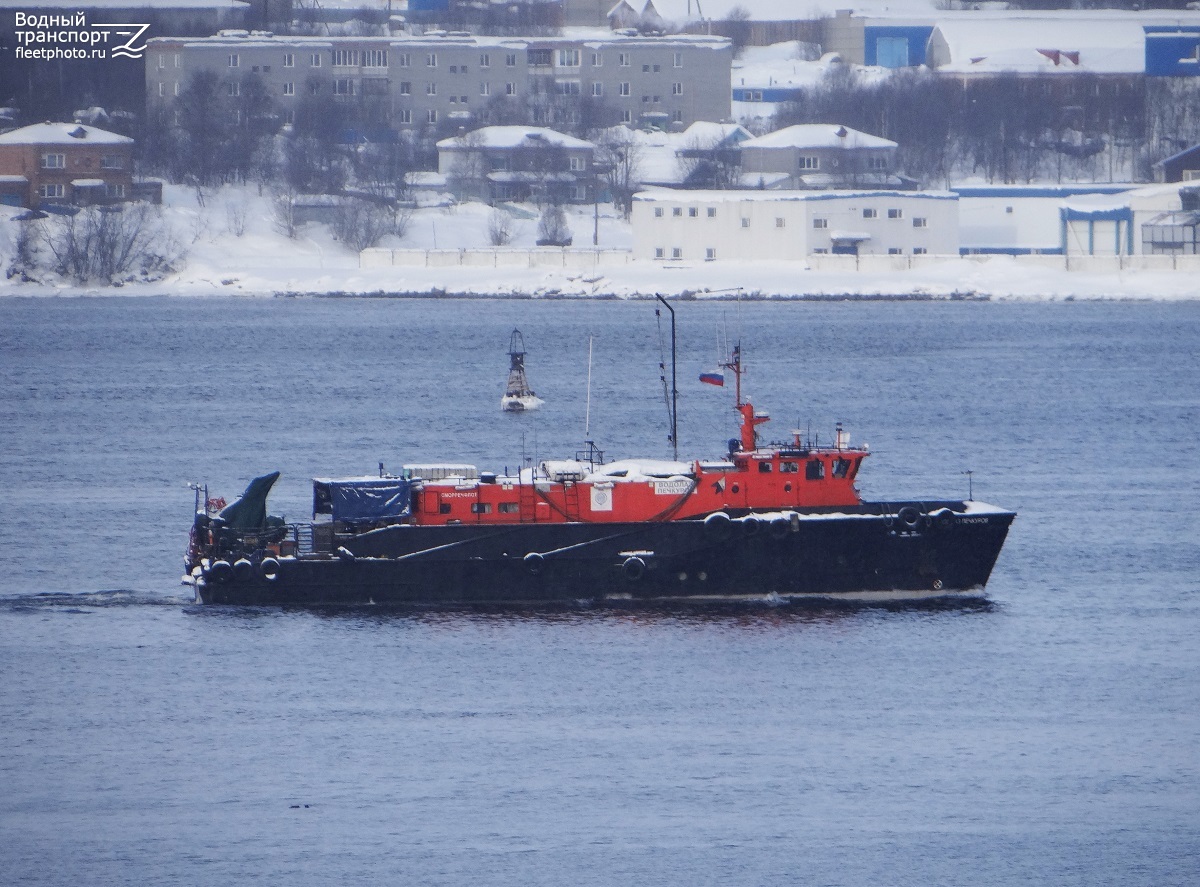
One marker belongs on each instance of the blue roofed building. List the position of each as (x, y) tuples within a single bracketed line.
[(895, 45), (1173, 51)]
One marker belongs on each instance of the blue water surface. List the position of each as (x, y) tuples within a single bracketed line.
[(1046, 735)]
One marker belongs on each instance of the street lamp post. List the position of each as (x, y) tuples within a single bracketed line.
[(599, 170)]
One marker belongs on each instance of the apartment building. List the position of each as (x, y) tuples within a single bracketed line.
[(449, 81)]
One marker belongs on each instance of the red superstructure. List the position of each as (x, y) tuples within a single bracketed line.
[(792, 475)]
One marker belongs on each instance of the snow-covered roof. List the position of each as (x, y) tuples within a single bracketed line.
[(511, 137), (681, 11), (763, 179), (671, 195), (818, 135), (863, 179), (520, 177), (62, 134), (590, 37), (704, 133), (1090, 203), (639, 470), (782, 66), (1026, 43)]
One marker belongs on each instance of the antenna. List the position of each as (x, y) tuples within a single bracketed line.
[(673, 404), (587, 415)]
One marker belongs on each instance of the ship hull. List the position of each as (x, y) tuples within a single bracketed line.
[(910, 550)]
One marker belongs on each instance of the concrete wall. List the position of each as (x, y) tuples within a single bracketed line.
[(548, 257)]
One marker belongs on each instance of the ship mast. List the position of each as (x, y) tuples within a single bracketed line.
[(750, 419), (673, 400)]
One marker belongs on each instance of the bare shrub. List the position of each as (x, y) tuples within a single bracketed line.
[(402, 216), (283, 213), (25, 259), (235, 217), (500, 227), (553, 229), (109, 244), (362, 223)]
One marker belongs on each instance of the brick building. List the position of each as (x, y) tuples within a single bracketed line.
[(64, 163)]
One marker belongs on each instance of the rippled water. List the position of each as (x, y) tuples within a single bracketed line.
[(1047, 735)]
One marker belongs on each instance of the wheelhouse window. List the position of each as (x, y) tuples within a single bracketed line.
[(789, 467), (509, 507), (481, 508), (841, 467), (814, 469), (764, 467)]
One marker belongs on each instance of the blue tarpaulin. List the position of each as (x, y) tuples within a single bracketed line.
[(362, 500)]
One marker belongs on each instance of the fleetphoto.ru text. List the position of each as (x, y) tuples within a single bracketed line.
[(46, 37)]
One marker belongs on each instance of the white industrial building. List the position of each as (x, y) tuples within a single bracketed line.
[(670, 225), (1029, 219)]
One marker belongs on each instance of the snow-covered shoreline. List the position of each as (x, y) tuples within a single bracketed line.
[(261, 262)]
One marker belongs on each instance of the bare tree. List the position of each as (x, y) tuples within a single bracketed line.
[(283, 212), (500, 224), (707, 163), (619, 154), (382, 169), (736, 26), (468, 165), (544, 165), (360, 223)]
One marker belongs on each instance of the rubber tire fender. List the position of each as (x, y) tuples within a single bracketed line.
[(534, 562), (268, 568), (634, 568), (718, 524), (220, 571), (910, 518)]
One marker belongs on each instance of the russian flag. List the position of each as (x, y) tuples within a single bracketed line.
[(713, 378)]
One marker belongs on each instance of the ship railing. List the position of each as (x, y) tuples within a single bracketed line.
[(302, 536)]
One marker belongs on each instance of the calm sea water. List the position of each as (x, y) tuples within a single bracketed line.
[(1049, 735)]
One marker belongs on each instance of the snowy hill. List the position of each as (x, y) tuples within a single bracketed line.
[(261, 262)]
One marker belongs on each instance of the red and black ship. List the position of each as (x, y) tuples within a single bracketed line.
[(779, 520)]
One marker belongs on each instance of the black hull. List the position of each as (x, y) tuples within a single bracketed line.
[(926, 550)]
